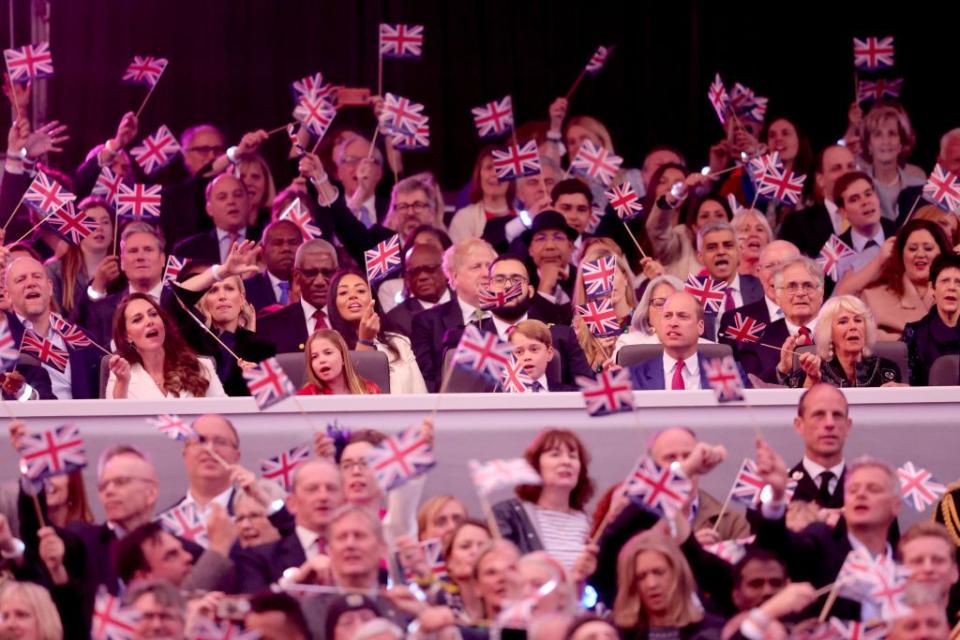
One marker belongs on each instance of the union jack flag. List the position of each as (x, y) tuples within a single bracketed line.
[(383, 259), (111, 620), (747, 485), (782, 186), (918, 487), (45, 195), (730, 550), (52, 453), (139, 201), (301, 217), (625, 201), (433, 552), (157, 150), (873, 53), (709, 292), (611, 392), (145, 70), (596, 163), (514, 380), (174, 267), (483, 352), (598, 276), (724, 378), (416, 141), (172, 426), (31, 61), (746, 104), (834, 250), (943, 187), (281, 467), (744, 328), (401, 458), (314, 87), (873, 90), (400, 114), (45, 351), (108, 185), (493, 299), (764, 163), (72, 226), (499, 474), (8, 346), (517, 161), (662, 489), (71, 333), (719, 98), (268, 384), (401, 40), (859, 575), (600, 317), (315, 113), (184, 522), (207, 629), (857, 630), (494, 118), (597, 60)]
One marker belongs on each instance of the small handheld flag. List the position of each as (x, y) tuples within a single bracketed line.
[(268, 384), (281, 467), (145, 70), (383, 260), (494, 118), (611, 392), (401, 458), (156, 151)]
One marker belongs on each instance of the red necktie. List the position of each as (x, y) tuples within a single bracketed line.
[(677, 382), (321, 317), (729, 304), (805, 337)]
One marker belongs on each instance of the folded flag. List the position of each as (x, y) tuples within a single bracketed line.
[(943, 188), (45, 195), (139, 201), (664, 490), (172, 426), (596, 163), (759, 165), (598, 276), (45, 351), (314, 86), (833, 252), (400, 114), (184, 522), (156, 151), (744, 328), (301, 216), (514, 380), (401, 458), (112, 620), (730, 550), (492, 299), (72, 226), (52, 453), (611, 392), (517, 161), (724, 378), (873, 53), (482, 352), (268, 384), (600, 316), (315, 113), (746, 104), (383, 260), (28, 62), (401, 40), (625, 201), (281, 467), (501, 474), (709, 292), (719, 98), (494, 118), (145, 70), (918, 487)]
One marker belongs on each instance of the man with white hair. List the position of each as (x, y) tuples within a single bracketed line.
[(767, 309), (360, 172)]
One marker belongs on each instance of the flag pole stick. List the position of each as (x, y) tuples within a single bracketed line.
[(443, 388), (608, 516), (576, 83), (634, 238), (34, 227), (379, 72), (488, 514), (723, 509), (13, 213), (915, 203), (831, 599), (149, 93), (373, 141), (116, 234), (278, 129), (33, 494), (206, 328)]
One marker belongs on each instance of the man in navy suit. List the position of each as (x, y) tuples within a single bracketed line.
[(719, 252), (228, 205), (681, 366), (315, 496), (30, 290), (280, 242), (869, 231), (424, 282)]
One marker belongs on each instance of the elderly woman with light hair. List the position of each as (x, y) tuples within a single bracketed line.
[(845, 334), (753, 234), (28, 613)]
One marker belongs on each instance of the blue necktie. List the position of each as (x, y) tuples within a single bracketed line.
[(365, 217), (284, 292)]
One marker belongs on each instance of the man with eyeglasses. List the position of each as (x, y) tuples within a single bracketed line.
[(360, 172), (798, 285), (289, 327), (425, 285), (161, 610)]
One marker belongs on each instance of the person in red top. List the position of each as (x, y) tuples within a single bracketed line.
[(329, 370)]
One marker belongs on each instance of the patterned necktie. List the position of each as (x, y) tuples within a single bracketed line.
[(321, 317), (536, 387), (284, 292), (677, 383), (804, 337)]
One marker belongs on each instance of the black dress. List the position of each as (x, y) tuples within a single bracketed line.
[(871, 371), (927, 339)]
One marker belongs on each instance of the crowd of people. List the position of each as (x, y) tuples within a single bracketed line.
[(338, 558)]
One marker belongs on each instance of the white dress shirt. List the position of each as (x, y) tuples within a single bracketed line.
[(835, 218), (503, 326), (222, 499), (142, 386), (773, 309), (793, 329), (736, 292), (690, 371), (814, 470), (275, 284), (308, 540), (308, 311), (467, 310)]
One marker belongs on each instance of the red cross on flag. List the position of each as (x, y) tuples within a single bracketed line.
[(145, 70), (918, 487), (494, 118), (183, 521), (268, 384), (662, 489), (156, 151), (52, 453), (401, 458), (281, 467), (31, 61), (611, 392)]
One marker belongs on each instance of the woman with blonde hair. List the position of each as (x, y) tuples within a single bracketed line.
[(844, 336), (329, 369), (949, 222), (599, 350), (439, 516), (657, 591), (753, 235), (254, 172), (888, 140), (27, 612)]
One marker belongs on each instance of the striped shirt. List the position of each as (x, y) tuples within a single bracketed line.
[(563, 535)]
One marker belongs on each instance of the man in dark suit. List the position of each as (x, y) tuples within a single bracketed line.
[(30, 290), (681, 365), (425, 284), (361, 173), (767, 309), (228, 205), (823, 422), (810, 228), (857, 198), (280, 242), (872, 502), (288, 328), (315, 496), (549, 243), (508, 271), (466, 266), (719, 253)]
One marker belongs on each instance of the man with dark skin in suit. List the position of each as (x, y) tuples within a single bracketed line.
[(423, 274)]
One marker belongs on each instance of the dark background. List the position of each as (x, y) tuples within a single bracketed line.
[(231, 63)]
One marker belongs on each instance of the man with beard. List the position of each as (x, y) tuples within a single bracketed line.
[(425, 284), (280, 242)]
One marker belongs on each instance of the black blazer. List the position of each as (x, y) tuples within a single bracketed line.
[(247, 345), (889, 230), (260, 291), (353, 235), (201, 246), (759, 360), (808, 491), (809, 229), (259, 567), (402, 315), (12, 188), (927, 339), (427, 337), (286, 328)]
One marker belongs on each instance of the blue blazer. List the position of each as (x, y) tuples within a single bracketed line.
[(751, 290), (648, 375)]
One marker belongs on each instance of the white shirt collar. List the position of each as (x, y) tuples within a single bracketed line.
[(223, 499), (543, 382), (792, 329), (308, 540), (222, 235), (690, 371), (859, 241), (154, 291), (814, 470), (834, 213), (773, 309), (444, 297), (502, 326), (467, 310)]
